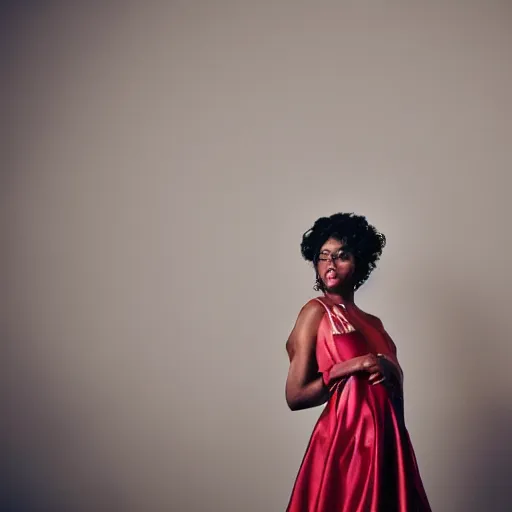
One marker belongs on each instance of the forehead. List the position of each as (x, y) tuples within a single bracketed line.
[(332, 244)]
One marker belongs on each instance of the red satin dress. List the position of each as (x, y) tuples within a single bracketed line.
[(359, 457)]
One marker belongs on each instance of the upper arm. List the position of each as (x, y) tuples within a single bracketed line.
[(301, 345)]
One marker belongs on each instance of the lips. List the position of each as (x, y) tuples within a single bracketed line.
[(331, 276)]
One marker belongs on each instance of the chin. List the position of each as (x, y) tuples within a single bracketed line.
[(333, 289)]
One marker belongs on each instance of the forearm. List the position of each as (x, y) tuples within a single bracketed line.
[(310, 395), (342, 370)]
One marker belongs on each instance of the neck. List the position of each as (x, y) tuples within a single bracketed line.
[(340, 296)]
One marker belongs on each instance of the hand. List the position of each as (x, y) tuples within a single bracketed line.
[(392, 367), (375, 366), (369, 363)]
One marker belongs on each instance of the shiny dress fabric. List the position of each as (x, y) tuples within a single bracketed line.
[(359, 457)]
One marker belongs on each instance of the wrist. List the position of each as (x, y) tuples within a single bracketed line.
[(358, 364), (334, 373), (344, 369)]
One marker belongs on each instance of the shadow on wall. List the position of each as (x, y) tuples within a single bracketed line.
[(488, 452), (490, 461), (55, 463), (475, 413)]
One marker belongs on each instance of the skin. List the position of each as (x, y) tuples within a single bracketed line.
[(304, 385)]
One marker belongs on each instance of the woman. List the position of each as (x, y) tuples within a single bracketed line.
[(359, 457)]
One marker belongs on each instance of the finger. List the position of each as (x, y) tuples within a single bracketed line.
[(370, 359), (379, 381), (368, 363)]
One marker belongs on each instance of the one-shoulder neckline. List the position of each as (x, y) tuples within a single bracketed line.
[(329, 302)]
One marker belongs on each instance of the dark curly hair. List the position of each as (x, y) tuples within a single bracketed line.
[(360, 239)]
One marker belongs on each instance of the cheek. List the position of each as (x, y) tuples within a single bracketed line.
[(347, 268), (321, 267)]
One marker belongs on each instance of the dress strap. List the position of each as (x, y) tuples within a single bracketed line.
[(329, 314), (338, 320)]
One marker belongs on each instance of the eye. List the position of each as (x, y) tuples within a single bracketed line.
[(342, 255)]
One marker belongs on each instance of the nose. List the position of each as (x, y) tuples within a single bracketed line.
[(332, 261)]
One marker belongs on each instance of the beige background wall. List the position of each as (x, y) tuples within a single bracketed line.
[(163, 161)]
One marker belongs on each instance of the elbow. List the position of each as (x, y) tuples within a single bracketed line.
[(293, 401), (293, 405), (297, 402)]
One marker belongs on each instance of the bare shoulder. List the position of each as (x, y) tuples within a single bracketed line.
[(306, 326), (312, 308), (310, 315)]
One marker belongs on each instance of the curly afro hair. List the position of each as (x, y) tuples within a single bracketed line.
[(361, 239)]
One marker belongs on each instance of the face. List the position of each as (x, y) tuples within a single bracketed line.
[(335, 267)]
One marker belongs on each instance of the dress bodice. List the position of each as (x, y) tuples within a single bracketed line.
[(346, 332)]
